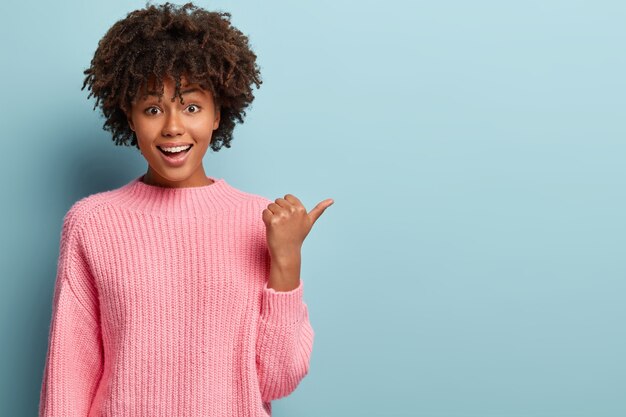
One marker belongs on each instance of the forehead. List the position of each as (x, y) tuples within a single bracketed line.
[(151, 86)]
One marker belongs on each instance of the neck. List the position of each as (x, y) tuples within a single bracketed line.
[(197, 179)]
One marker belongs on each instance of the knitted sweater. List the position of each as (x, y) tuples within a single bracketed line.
[(161, 308)]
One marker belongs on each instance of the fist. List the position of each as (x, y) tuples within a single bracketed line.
[(287, 224)]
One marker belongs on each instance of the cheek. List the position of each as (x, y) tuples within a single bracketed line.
[(201, 129), (145, 131)]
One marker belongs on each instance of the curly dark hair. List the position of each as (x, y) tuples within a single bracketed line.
[(165, 41)]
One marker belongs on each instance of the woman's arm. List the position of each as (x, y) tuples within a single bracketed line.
[(74, 363), (285, 339)]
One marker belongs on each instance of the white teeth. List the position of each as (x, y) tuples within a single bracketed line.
[(176, 148)]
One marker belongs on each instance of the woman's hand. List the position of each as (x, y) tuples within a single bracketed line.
[(287, 224)]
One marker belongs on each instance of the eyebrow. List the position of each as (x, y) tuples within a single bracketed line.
[(189, 90)]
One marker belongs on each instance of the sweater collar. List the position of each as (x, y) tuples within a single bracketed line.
[(181, 202)]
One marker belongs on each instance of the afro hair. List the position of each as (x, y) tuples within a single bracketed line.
[(165, 41)]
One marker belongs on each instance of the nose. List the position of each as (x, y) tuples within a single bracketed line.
[(173, 125)]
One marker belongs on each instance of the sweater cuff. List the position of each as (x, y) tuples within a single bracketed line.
[(282, 307)]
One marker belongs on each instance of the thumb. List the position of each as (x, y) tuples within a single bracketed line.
[(317, 211)]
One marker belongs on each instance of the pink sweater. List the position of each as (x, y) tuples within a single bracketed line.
[(161, 308)]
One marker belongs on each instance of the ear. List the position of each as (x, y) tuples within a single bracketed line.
[(216, 122), (130, 122)]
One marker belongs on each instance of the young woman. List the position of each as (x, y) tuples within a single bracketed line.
[(176, 294)]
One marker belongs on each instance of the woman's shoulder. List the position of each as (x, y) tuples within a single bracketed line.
[(258, 203), (86, 207), (252, 198)]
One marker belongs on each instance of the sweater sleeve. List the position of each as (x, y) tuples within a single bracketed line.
[(74, 360), (284, 342)]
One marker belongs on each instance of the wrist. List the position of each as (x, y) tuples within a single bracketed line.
[(284, 273), (286, 259)]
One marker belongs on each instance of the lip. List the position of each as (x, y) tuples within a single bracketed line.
[(177, 161)]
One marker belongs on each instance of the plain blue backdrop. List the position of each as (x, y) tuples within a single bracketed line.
[(473, 264)]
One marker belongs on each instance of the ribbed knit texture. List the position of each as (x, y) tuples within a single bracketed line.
[(161, 308)]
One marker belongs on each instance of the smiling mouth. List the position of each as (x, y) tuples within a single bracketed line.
[(174, 154)]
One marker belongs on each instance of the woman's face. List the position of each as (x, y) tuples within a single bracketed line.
[(166, 124)]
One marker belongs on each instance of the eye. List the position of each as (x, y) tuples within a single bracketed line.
[(151, 111), (195, 107)]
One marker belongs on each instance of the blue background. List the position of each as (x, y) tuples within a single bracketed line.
[(473, 262)]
